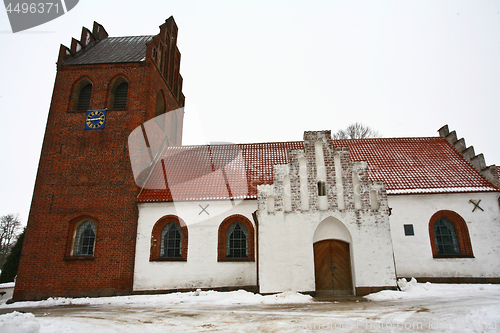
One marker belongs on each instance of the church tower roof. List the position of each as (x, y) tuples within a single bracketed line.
[(112, 50)]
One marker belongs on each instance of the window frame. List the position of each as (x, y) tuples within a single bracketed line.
[(165, 237), (231, 237), (74, 226), (157, 239), (409, 229), (462, 234), (223, 241), (80, 235)]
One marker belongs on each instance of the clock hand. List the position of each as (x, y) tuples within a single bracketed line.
[(92, 119)]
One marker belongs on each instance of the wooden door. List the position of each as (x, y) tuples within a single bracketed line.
[(332, 267)]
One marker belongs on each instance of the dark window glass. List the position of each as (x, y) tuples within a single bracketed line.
[(84, 97), (321, 189), (121, 92), (237, 241), (171, 244), (409, 230), (85, 239), (446, 237), (159, 110)]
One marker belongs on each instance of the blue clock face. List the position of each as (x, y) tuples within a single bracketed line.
[(95, 119)]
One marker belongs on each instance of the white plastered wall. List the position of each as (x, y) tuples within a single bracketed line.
[(287, 257), (201, 270), (413, 254)]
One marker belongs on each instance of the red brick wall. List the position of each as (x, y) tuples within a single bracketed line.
[(87, 173)]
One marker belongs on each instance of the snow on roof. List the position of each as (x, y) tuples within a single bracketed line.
[(233, 171)]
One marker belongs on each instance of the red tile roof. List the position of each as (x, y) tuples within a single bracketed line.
[(212, 172)]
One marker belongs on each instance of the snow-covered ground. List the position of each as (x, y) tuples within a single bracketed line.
[(417, 308)]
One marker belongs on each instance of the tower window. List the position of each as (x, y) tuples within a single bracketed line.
[(160, 110), (119, 94), (84, 97), (85, 239)]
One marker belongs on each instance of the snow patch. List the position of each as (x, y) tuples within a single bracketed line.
[(17, 322), (425, 306), (7, 284), (195, 297), (413, 290)]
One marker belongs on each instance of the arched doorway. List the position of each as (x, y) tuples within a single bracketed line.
[(332, 258), (332, 267)]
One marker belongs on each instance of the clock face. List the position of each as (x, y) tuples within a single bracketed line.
[(95, 119)]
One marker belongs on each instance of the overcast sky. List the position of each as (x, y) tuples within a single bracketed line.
[(259, 71)]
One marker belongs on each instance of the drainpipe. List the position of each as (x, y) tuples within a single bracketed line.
[(256, 221), (395, 269)]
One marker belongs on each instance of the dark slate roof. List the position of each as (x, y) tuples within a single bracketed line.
[(406, 165), (112, 50)]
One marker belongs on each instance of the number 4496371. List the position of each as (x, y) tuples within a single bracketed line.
[(33, 7)]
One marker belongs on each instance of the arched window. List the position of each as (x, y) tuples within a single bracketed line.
[(446, 237), (85, 239), (236, 239), (169, 239), (449, 236), (118, 94), (83, 95), (160, 110)]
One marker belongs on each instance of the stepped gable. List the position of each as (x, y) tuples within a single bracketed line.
[(477, 161), (212, 172), (95, 47)]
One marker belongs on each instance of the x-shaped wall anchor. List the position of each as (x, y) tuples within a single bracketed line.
[(203, 209), (476, 204)]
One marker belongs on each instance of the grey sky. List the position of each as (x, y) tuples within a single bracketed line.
[(257, 71)]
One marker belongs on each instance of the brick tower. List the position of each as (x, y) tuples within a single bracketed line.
[(80, 237)]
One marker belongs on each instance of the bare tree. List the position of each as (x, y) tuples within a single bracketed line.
[(10, 228), (356, 131)]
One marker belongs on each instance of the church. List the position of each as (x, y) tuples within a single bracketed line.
[(121, 207)]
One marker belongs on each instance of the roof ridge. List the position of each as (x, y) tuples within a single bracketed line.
[(128, 36), (300, 141), (237, 144), (391, 138)]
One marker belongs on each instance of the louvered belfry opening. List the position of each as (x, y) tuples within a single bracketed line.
[(84, 97), (121, 92)]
